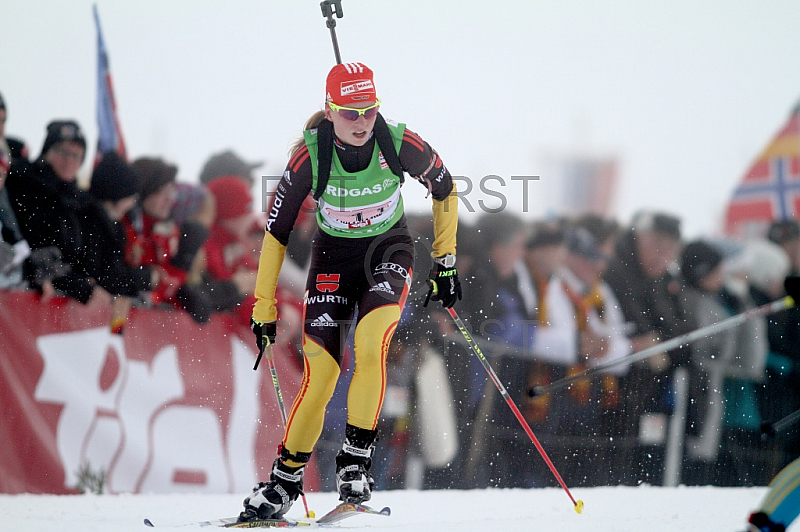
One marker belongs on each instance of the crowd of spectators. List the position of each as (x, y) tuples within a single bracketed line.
[(136, 236), (549, 299), (546, 299)]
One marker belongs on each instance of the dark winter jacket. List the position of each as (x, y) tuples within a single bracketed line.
[(47, 211), (104, 255), (651, 305)]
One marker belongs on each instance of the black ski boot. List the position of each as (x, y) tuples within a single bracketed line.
[(271, 500), (353, 480)]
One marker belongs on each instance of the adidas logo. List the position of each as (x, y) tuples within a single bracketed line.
[(324, 321), (382, 287)]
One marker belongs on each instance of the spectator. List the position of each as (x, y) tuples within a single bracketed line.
[(227, 249), (115, 186), (727, 365), (499, 315), (14, 248), (701, 268), (545, 297), (546, 302), (780, 394), (596, 321), (153, 239), (648, 293), (46, 201), (228, 163), (194, 212), (15, 148)]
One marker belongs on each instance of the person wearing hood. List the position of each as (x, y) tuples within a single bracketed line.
[(115, 187)]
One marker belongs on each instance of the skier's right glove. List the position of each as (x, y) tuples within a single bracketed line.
[(265, 333), (443, 281)]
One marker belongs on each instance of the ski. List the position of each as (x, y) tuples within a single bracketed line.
[(343, 511)]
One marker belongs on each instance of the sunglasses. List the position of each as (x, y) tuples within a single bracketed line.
[(352, 114)]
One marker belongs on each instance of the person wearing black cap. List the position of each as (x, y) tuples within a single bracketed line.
[(115, 186), (46, 200)]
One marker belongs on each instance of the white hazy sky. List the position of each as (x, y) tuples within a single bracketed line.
[(685, 93)]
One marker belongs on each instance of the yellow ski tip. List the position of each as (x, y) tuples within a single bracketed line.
[(579, 506)]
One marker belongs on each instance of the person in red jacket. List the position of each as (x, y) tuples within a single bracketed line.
[(154, 239), (228, 256)]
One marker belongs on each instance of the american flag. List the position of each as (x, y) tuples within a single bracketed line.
[(109, 132), (770, 189)]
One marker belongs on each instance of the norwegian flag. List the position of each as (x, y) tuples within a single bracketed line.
[(109, 132), (771, 188)]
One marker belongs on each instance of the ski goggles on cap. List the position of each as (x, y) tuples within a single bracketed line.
[(352, 114)]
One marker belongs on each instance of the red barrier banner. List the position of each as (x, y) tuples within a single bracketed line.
[(168, 406)]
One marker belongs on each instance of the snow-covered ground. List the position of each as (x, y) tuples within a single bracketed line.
[(642, 509)]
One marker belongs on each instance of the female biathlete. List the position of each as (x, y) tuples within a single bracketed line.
[(352, 161)]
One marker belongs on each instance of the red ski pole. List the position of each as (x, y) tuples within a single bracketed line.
[(578, 505)]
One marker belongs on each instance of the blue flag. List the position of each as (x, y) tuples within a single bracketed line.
[(109, 132)]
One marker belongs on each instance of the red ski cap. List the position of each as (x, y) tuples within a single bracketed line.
[(349, 83)]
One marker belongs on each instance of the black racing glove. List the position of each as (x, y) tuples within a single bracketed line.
[(265, 333), (444, 283)]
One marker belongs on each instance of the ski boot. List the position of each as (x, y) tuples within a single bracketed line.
[(271, 500), (353, 479)]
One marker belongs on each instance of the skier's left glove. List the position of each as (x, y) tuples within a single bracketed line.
[(443, 281), (265, 333)]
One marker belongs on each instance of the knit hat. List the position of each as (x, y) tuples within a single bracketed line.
[(63, 131), (227, 163), (232, 195), (698, 260), (783, 231), (349, 83), (113, 179), (154, 174), (545, 234)]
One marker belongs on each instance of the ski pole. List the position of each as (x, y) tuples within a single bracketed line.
[(770, 429), (277, 385), (578, 505), (702, 332), (330, 8)]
